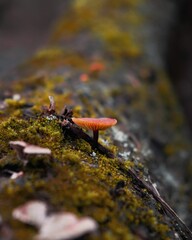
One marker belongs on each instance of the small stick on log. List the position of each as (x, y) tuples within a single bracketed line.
[(183, 230)]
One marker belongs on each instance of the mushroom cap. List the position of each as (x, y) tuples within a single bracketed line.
[(15, 144), (95, 123), (66, 226), (33, 212), (16, 175), (32, 149)]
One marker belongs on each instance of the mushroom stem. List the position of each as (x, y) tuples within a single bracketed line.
[(95, 136), (70, 128)]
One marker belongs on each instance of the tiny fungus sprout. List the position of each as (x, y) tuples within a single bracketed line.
[(23, 149), (96, 67), (84, 77), (13, 175), (19, 147), (95, 124), (16, 175)]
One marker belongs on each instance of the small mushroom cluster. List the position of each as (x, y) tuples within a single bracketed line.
[(56, 226), (24, 149)]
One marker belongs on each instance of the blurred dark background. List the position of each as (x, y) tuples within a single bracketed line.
[(24, 27), (179, 56), (26, 24)]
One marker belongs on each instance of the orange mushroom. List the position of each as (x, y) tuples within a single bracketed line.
[(95, 124), (84, 77), (96, 67)]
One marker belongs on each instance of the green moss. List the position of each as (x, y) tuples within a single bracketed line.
[(174, 113), (55, 57), (40, 131), (107, 21), (117, 42), (15, 103), (77, 181)]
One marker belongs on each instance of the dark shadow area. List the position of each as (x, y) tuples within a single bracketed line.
[(179, 59)]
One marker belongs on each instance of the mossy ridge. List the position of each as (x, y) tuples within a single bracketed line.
[(141, 98), (78, 184), (39, 131), (117, 35), (54, 57)]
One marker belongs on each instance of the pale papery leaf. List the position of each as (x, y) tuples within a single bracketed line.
[(33, 212), (65, 226)]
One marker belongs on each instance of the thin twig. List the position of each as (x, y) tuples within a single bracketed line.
[(184, 231)]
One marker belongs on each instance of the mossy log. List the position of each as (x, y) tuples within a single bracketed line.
[(138, 177)]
